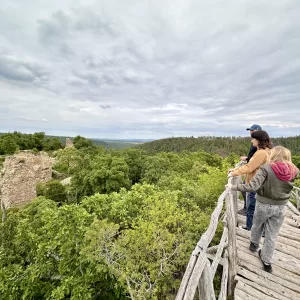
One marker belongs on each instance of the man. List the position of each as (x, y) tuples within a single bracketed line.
[(252, 150)]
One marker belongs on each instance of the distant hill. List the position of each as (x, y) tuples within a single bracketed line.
[(219, 145), (110, 144)]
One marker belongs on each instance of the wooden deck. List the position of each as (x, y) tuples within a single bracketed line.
[(243, 276), (253, 283)]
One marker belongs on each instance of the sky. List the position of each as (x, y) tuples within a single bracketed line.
[(150, 69)]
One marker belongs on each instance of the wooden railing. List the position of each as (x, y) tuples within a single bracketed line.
[(296, 195), (200, 271)]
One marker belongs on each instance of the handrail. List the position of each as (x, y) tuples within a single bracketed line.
[(200, 272)]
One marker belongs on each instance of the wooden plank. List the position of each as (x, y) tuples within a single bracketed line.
[(288, 235), (195, 277), (263, 274), (282, 244), (293, 208), (265, 282), (280, 259), (242, 295), (211, 256), (231, 221), (262, 289), (206, 287), (224, 280), (248, 289), (292, 223), (213, 249), (246, 257), (217, 258)]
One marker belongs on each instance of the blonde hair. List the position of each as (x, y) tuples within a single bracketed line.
[(281, 154)]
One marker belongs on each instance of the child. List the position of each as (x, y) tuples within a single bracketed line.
[(273, 184)]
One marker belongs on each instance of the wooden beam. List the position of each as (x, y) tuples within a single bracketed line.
[(224, 280), (206, 287), (231, 204)]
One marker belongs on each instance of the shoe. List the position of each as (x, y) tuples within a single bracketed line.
[(243, 227), (253, 247), (267, 267), (242, 212)]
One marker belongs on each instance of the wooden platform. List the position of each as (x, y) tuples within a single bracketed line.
[(253, 283)]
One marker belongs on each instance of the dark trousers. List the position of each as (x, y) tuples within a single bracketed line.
[(251, 202), (245, 198)]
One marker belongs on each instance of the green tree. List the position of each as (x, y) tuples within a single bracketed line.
[(8, 145), (41, 256), (55, 191), (106, 174), (52, 144), (70, 161), (80, 142)]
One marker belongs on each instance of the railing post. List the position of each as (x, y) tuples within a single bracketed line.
[(206, 287), (231, 210)]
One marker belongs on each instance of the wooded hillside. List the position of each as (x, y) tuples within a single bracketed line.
[(218, 145)]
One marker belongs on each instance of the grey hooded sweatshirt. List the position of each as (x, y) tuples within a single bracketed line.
[(269, 188)]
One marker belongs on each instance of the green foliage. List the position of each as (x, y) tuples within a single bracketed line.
[(70, 161), (296, 160), (12, 142), (80, 142), (55, 191), (130, 234), (41, 258), (8, 145), (52, 144), (40, 188), (135, 159), (106, 174), (157, 231), (2, 159)]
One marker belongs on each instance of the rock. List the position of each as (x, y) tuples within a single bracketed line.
[(66, 181), (69, 143), (19, 176)]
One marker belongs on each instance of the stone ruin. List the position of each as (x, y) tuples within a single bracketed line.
[(69, 143), (19, 176)]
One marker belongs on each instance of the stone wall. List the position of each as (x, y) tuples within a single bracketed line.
[(69, 143), (19, 175)]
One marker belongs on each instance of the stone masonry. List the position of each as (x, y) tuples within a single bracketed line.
[(69, 143), (19, 176)]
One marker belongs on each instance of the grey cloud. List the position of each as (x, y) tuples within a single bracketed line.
[(17, 70), (166, 68), (64, 25), (105, 106)]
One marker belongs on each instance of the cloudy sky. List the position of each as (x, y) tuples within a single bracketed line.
[(149, 68)]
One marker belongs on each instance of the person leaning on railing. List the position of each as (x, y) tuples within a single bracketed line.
[(246, 159), (261, 140), (273, 183)]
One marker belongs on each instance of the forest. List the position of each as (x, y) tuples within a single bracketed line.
[(123, 228)]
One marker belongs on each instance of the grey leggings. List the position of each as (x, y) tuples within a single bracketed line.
[(269, 218)]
